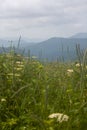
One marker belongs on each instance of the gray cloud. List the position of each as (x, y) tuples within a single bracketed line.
[(46, 18)]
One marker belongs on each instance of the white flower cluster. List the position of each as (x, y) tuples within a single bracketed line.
[(70, 70), (3, 100), (78, 65), (59, 116)]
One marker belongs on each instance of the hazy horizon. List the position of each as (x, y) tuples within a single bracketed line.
[(35, 40)]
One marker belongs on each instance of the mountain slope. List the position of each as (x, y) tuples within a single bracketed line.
[(57, 48)]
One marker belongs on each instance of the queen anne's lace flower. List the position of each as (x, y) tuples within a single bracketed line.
[(77, 65), (59, 116), (3, 100), (70, 70)]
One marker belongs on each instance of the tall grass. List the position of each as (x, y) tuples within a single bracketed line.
[(38, 96)]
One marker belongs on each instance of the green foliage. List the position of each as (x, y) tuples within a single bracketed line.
[(30, 91)]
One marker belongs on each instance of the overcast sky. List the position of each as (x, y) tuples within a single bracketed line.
[(41, 19)]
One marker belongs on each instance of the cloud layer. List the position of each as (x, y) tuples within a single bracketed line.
[(42, 19)]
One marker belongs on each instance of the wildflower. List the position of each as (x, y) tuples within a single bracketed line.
[(16, 74), (54, 115), (59, 116), (3, 100), (18, 69), (18, 62), (77, 65), (70, 70), (20, 65), (24, 127), (63, 118)]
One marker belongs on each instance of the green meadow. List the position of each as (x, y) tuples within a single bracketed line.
[(38, 95)]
